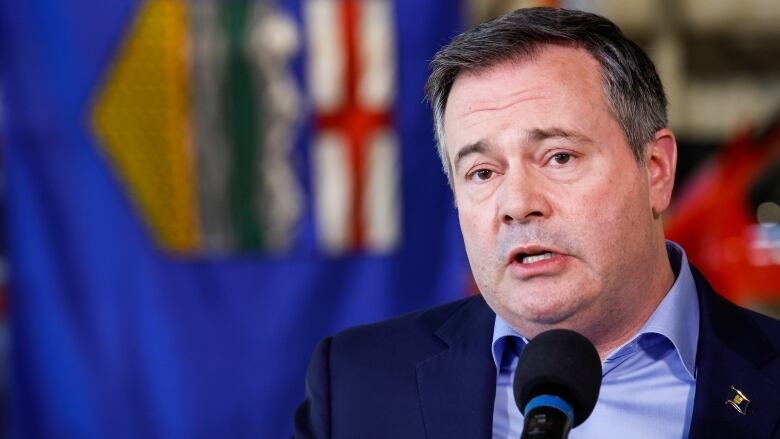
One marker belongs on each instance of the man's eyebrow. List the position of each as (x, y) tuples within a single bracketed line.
[(535, 135), (473, 148), (539, 134)]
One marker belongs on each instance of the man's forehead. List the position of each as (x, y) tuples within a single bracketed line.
[(499, 84), (558, 75)]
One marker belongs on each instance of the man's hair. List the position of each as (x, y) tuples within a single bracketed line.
[(632, 89)]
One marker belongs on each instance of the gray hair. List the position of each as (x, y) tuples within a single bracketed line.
[(633, 91)]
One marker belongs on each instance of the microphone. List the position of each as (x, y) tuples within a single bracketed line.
[(557, 383)]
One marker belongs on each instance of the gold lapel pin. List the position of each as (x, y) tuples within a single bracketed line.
[(738, 400)]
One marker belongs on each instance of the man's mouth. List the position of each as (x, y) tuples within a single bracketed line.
[(525, 258), (534, 260)]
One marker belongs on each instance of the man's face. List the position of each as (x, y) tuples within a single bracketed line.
[(556, 214)]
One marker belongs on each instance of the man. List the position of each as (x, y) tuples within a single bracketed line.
[(551, 127)]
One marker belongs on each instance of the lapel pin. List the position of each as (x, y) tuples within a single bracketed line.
[(738, 400)]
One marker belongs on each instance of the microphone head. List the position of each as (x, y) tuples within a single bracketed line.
[(563, 363)]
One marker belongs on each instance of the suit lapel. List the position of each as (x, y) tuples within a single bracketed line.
[(732, 352), (457, 386)]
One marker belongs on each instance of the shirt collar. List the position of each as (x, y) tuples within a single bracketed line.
[(676, 318), (501, 333)]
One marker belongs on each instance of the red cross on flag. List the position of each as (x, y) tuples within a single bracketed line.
[(355, 152)]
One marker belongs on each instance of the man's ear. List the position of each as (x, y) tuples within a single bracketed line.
[(661, 163)]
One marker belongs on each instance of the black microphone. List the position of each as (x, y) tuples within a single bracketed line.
[(556, 383)]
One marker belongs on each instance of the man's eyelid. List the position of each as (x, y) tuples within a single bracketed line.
[(477, 162), (550, 155), (471, 175), (468, 154), (466, 164)]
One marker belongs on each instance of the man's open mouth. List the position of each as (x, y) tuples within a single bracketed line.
[(528, 258)]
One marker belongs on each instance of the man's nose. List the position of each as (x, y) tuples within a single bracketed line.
[(523, 197)]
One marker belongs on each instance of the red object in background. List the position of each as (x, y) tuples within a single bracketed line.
[(715, 221)]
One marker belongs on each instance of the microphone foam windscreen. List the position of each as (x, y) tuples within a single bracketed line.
[(563, 363)]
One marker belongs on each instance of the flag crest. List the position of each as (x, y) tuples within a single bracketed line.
[(196, 117)]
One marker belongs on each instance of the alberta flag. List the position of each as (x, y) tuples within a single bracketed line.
[(199, 191)]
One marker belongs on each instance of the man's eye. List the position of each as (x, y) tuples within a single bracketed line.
[(483, 174), (562, 158)]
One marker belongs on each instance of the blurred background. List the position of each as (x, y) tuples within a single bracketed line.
[(194, 193)]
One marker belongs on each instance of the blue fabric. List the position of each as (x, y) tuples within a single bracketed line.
[(648, 384), (417, 376), (112, 337), (430, 374)]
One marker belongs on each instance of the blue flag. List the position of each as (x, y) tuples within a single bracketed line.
[(198, 192)]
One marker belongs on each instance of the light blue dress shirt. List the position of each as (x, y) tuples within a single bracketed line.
[(648, 384)]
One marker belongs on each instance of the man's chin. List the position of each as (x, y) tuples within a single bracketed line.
[(532, 320), (551, 318)]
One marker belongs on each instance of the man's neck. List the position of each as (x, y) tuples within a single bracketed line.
[(633, 316)]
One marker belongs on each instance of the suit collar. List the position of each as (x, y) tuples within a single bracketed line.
[(732, 351), (457, 385)]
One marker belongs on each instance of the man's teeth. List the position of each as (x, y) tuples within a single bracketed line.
[(537, 258)]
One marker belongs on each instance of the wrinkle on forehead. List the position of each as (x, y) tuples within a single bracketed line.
[(478, 111), (586, 70), (557, 93), (500, 102)]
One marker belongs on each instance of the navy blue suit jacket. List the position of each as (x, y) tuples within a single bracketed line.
[(431, 375)]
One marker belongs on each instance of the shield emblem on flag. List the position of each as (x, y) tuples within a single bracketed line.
[(197, 116)]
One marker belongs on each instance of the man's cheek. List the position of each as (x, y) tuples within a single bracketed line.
[(603, 203), (473, 223)]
